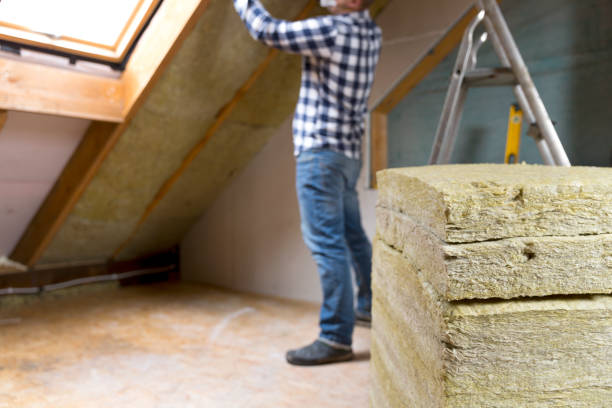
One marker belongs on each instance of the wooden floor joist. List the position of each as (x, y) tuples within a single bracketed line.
[(166, 263)]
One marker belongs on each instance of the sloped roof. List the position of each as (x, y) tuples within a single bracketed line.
[(214, 107)]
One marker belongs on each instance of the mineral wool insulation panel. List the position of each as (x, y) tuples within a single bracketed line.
[(491, 287)]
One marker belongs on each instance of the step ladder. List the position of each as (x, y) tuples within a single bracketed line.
[(513, 72)]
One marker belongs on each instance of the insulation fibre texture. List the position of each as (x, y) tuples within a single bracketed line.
[(209, 67), (503, 268), (207, 73), (480, 202), (528, 352), (492, 287)]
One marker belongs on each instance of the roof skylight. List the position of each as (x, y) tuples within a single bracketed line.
[(96, 29)]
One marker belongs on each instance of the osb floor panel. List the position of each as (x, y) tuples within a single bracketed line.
[(170, 345)]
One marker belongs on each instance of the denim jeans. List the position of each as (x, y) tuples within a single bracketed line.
[(331, 227)]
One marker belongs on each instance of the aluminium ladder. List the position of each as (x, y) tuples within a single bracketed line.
[(513, 72)]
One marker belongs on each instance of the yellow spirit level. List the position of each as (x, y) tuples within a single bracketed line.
[(513, 139)]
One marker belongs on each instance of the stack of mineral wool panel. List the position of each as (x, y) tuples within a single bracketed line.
[(492, 287)]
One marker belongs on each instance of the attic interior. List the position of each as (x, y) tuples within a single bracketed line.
[(151, 251)]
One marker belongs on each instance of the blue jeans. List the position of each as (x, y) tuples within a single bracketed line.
[(331, 226)]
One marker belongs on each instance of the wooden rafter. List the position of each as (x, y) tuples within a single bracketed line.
[(221, 117), (65, 193), (172, 23), (146, 64)]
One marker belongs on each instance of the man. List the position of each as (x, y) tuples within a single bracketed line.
[(340, 52)]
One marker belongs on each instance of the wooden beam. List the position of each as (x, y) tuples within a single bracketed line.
[(221, 116), (173, 20), (67, 190), (379, 144), (43, 89), (38, 88), (164, 266), (171, 24), (3, 118), (423, 67)]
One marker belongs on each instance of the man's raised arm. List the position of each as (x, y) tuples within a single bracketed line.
[(312, 37)]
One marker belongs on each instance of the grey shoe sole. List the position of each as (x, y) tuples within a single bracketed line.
[(329, 360)]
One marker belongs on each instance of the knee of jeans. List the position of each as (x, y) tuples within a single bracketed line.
[(335, 259), (329, 248), (324, 245)]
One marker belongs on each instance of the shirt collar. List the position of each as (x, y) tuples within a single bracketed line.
[(358, 15)]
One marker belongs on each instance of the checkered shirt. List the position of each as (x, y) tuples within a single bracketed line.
[(340, 53)]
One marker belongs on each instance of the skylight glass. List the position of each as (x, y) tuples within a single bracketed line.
[(87, 27)]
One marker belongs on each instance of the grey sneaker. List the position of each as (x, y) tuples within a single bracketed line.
[(318, 353), (363, 319)]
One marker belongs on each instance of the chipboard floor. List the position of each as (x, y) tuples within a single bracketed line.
[(167, 345)]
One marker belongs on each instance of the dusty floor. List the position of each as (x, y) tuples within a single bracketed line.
[(168, 346)]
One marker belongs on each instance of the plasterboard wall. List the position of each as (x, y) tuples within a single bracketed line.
[(33, 151), (250, 238)]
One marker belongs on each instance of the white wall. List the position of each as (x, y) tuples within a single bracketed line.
[(250, 239), (33, 151)]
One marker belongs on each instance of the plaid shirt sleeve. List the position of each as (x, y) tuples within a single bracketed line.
[(312, 37)]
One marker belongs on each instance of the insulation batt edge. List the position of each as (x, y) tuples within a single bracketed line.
[(468, 203), (505, 268), (471, 311), (427, 352)]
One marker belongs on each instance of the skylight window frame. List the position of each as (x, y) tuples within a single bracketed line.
[(114, 55)]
